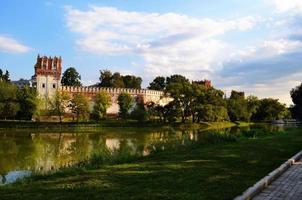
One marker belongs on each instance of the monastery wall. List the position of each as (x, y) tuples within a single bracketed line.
[(140, 95)]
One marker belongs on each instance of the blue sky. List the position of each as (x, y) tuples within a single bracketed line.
[(252, 45)]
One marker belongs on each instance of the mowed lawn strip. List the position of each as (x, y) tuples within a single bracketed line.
[(217, 171)]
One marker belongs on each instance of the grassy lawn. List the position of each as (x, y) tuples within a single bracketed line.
[(217, 171)]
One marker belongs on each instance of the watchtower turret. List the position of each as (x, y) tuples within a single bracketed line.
[(47, 76)]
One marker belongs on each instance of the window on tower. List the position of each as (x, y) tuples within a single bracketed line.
[(43, 85), (54, 85)]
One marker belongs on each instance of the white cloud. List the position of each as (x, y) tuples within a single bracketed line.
[(268, 48), (170, 41), (293, 6), (10, 45)]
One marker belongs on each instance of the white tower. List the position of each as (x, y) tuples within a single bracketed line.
[(47, 77)]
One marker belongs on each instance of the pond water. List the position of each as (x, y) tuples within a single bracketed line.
[(24, 152)]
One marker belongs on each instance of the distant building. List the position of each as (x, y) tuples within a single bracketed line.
[(206, 83), (22, 83)]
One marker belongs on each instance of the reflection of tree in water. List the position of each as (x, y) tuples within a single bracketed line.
[(15, 153), (81, 148)]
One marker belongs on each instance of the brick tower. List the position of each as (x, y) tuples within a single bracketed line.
[(47, 76)]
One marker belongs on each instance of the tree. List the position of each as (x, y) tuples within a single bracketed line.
[(238, 107), (105, 78), (132, 81), (80, 106), (5, 77), (159, 83), (71, 77), (140, 113), (271, 109), (296, 95), (9, 105), (28, 101), (176, 78), (212, 113), (252, 106), (116, 80), (60, 103), (101, 103), (180, 92), (126, 102)]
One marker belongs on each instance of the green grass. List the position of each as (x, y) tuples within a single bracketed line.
[(215, 171)]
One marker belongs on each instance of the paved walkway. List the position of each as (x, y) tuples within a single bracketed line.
[(288, 186)]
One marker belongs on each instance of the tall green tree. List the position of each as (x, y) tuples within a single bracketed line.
[(80, 106), (131, 81), (60, 103), (105, 78), (28, 101), (253, 105), (159, 83), (140, 112), (271, 109), (238, 107), (5, 77), (296, 95), (176, 78), (211, 106), (9, 105), (71, 77), (116, 80), (125, 102), (101, 103)]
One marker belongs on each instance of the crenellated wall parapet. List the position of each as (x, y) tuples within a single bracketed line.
[(94, 90)]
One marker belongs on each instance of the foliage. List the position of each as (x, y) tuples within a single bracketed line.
[(296, 95), (212, 113), (71, 77), (140, 113), (102, 102), (80, 106), (116, 80), (59, 103), (29, 102), (125, 102), (132, 81), (271, 109), (252, 106), (238, 107), (4, 77), (159, 83), (176, 78), (105, 78), (9, 105)]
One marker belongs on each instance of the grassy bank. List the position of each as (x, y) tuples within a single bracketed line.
[(216, 171)]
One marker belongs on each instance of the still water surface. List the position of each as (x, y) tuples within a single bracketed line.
[(24, 152)]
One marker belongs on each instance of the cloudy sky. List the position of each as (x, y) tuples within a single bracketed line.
[(251, 45)]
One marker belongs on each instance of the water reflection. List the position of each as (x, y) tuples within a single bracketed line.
[(23, 153)]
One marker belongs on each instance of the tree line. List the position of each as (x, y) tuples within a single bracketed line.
[(191, 101), (16, 103), (196, 102)]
